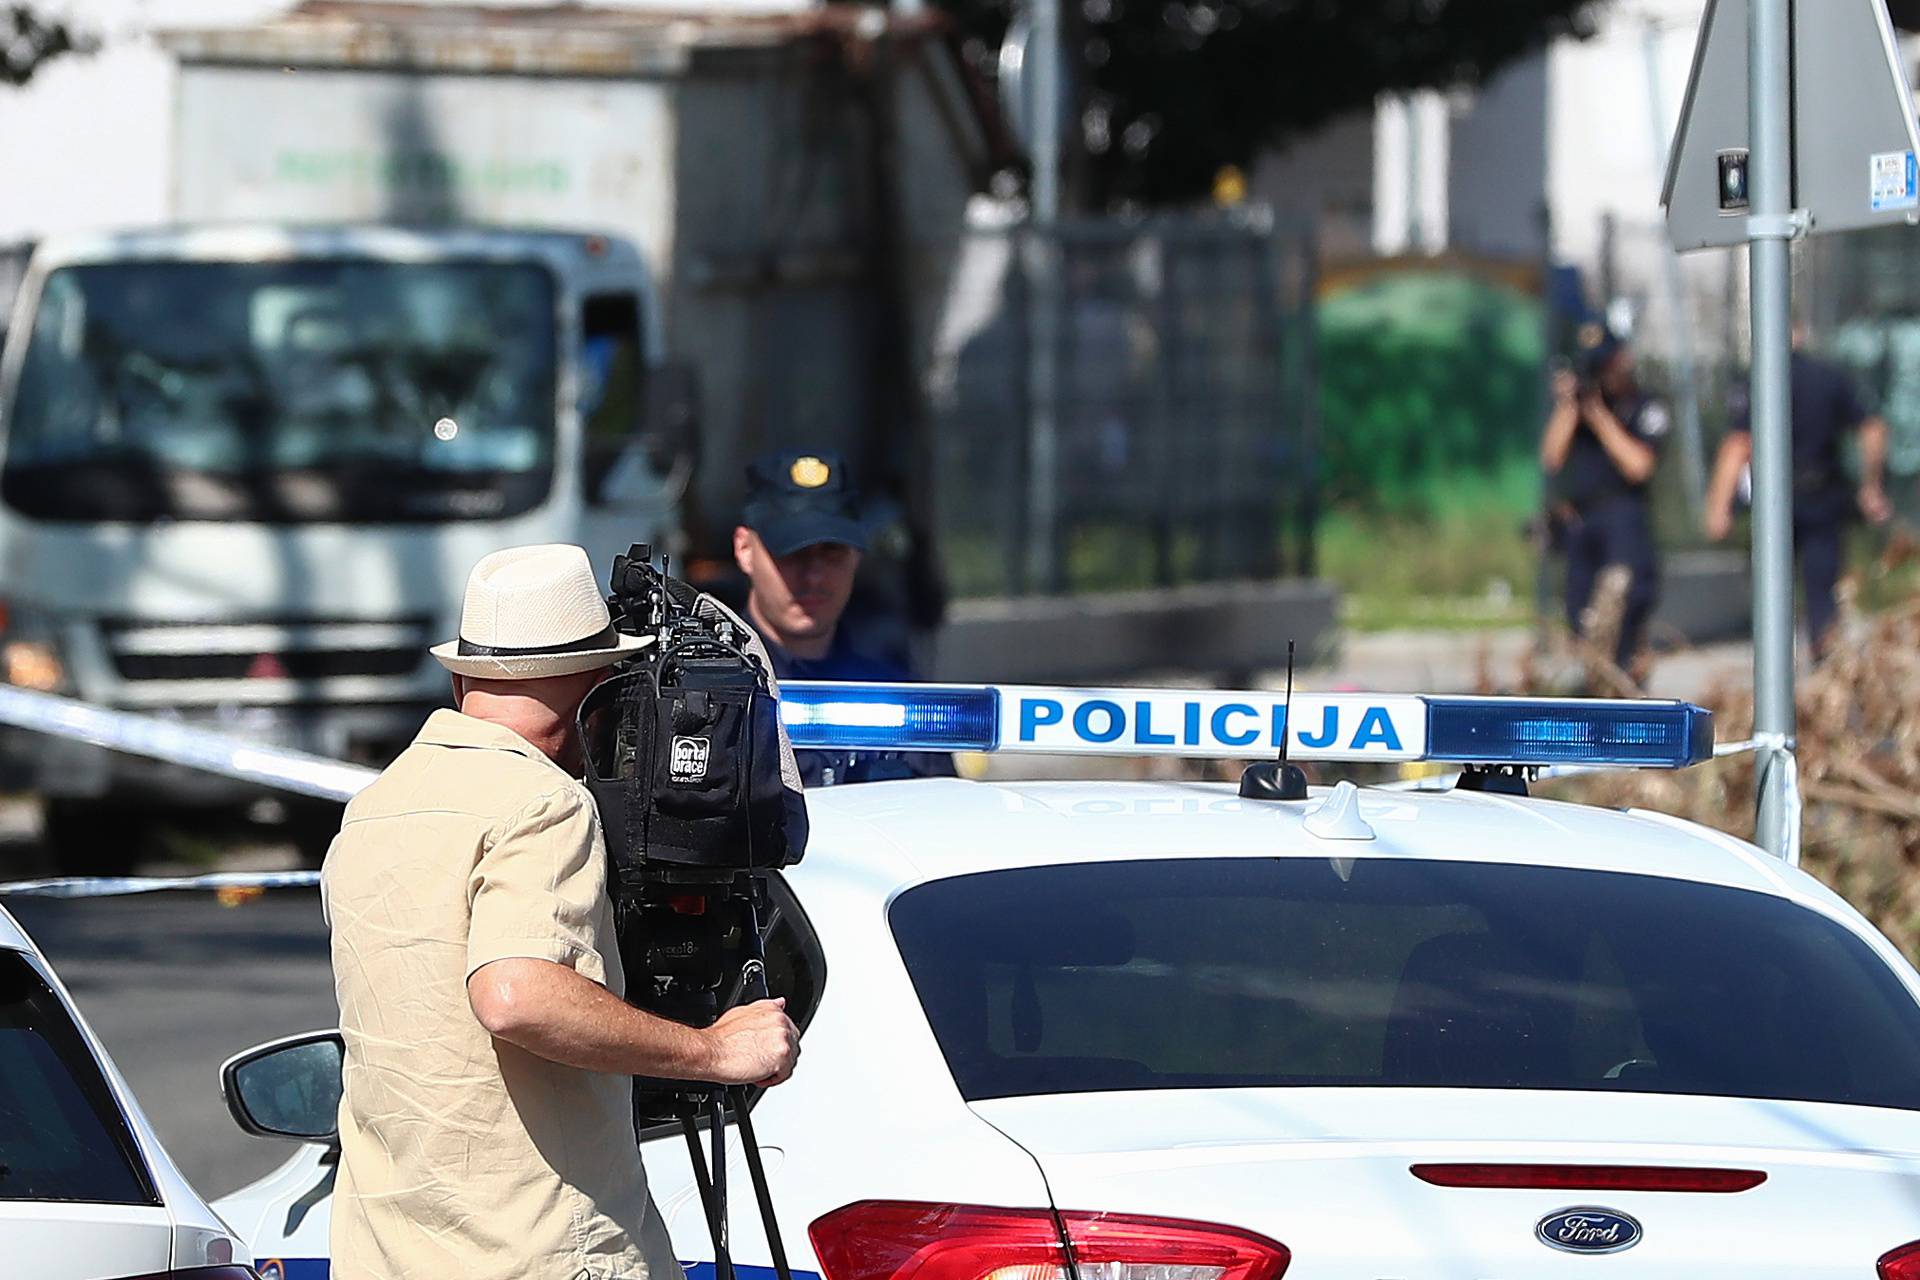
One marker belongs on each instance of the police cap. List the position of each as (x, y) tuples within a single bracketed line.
[(798, 499)]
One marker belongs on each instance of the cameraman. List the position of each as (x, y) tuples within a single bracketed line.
[(486, 1124), (1599, 450), (799, 543)]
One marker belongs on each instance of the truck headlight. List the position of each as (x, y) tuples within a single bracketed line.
[(29, 655), (32, 664)]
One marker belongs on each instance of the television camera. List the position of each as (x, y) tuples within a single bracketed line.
[(699, 798)]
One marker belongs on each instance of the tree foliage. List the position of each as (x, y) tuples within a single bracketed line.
[(29, 38), (1173, 90)]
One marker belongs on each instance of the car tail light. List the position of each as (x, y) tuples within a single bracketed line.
[(1902, 1263), (1590, 1177), (884, 1239)]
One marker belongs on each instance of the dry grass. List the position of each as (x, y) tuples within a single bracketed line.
[(1859, 735)]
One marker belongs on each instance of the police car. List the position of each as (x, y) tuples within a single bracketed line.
[(1194, 1031), (86, 1190)]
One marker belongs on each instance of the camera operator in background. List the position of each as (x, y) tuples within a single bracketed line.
[(799, 543), (486, 1122), (1600, 449), (1824, 410)]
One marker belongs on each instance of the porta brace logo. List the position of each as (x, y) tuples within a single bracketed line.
[(689, 763)]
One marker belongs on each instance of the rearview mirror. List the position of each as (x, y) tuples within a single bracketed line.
[(287, 1088), (671, 429)]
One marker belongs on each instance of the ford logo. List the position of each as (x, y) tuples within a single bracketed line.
[(1588, 1231)]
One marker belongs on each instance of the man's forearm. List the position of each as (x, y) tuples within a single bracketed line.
[(1727, 464), (1873, 451), (553, 1012), (1630, 457), (1557, 439)]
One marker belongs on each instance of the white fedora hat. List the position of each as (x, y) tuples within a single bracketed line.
[(532, 612)]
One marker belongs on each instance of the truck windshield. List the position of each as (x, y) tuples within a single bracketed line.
[(1206, 973), (337, 389)]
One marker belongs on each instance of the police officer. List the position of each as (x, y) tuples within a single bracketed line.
[(1824, 410), (1600, 448), (799, 544)]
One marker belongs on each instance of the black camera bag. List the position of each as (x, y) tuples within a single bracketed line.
[(683, 760)]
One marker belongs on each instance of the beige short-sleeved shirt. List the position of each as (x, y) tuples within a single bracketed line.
[(461, 1155)]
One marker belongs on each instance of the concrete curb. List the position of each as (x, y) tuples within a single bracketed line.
[(1705, 596)]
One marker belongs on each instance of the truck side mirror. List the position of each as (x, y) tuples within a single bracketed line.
[(670, 425), (288, 1088)]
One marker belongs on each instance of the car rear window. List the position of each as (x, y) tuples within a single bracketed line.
[(62, 1136), (1206, 973)]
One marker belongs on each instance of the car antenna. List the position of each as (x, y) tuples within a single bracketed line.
[(1276, 779)]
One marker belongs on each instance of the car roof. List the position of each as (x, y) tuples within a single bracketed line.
[(896, 834)]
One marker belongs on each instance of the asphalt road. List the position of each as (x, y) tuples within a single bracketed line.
[(175, 983)]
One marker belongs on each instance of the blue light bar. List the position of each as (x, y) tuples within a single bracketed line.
[(880, 717), (1529, 731), (1383, 728)]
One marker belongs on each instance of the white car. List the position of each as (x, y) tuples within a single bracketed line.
[(86, 1190), (1188, 1031)]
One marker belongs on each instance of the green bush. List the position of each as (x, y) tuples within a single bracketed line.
[(1426, 378)]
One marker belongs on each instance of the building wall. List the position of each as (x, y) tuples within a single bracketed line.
[(1497, 175), (1579, 131), (1328, 176), (1412, 153), (1615, 100)]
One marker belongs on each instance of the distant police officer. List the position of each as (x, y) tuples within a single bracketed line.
[(1601, 445), (799, 543), (1824, 410)]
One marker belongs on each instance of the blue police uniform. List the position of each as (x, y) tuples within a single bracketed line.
[(798, 500), (1612, 522), (1825, 408)]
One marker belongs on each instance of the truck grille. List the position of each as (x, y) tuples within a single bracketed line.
[(305, 650)]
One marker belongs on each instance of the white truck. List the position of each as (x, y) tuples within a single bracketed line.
[(798, 181), (244, 472), (246, 467)]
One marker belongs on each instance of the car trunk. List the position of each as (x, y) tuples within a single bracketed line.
[(55, 1241), (1327, 1173)]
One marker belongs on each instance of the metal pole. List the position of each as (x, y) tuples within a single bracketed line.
[(1043, 267), (1770, 230), (1416, 227)]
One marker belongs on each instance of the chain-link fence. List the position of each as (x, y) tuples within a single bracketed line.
[(1126, 405), (1857, 294), (1863, 293)]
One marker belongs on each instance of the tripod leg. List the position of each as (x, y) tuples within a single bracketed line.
[(698, 1160), (761, 1192), (722, 1248)]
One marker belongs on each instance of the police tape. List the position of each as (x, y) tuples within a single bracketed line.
[(207, 750), (123, 886)]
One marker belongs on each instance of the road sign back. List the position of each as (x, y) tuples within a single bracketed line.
[(1854, 134)]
